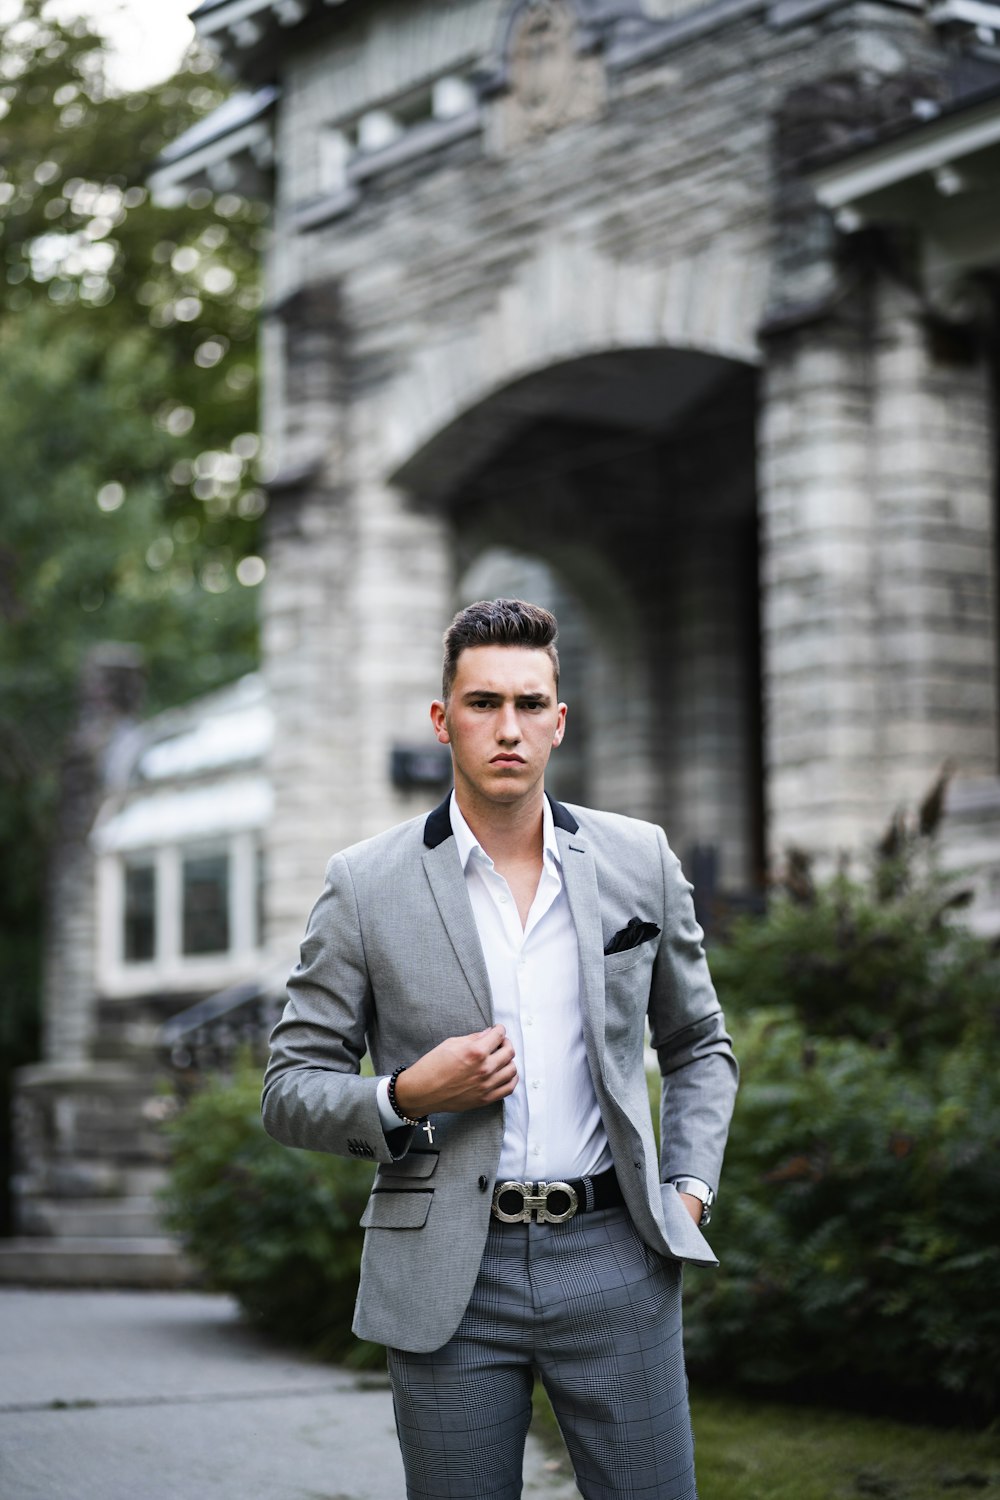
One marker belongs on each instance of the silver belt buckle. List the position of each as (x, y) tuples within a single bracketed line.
[(534, 1202)]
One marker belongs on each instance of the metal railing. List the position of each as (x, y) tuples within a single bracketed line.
[(209, 1035)]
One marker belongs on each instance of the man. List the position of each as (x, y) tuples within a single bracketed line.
[(498, 961)]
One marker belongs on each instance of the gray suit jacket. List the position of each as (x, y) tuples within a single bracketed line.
[(391, 963)]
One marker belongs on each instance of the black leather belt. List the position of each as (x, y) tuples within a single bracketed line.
[(555, 1202)]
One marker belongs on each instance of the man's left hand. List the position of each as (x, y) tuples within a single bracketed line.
[(694, 1205)]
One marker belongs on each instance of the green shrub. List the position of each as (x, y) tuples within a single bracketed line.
[(859, 1223), (854, 960), (277, 1229)]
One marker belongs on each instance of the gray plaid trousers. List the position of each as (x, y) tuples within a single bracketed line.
[(598, 1314)]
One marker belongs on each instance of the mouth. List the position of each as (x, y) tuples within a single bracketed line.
[(507, 760)]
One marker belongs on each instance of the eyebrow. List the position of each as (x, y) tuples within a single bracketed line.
[(495, 697)]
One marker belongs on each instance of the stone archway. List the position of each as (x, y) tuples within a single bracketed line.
[(654, 367), (567, 302), (629, 473)]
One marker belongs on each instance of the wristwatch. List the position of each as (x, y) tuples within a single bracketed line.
[(699, 1190)]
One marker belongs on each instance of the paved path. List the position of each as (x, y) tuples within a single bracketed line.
[(167, 1396)]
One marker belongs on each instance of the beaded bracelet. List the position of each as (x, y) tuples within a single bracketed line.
[(392, 1098)]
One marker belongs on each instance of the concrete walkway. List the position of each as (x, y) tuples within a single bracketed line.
[(167, 1396)]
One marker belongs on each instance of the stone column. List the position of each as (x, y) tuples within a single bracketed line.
[(301, 642), (358, 594), (933, 493), (111, 689), (400, 601), (304, 632), (353, 608), (879, 604), (824, 774)]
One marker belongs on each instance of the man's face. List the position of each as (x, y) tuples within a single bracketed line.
[(501, 721)]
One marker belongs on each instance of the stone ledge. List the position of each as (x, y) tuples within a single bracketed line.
[(101, 1218), (148, 1261)]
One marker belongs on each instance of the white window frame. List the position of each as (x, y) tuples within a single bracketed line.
[(170, 968)]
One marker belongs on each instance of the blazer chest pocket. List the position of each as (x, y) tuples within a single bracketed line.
[(617, 963), (397, 1208)]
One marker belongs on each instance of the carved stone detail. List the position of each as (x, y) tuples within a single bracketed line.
[(550, 83)]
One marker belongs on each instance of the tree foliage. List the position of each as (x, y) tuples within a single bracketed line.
[(129, 492)]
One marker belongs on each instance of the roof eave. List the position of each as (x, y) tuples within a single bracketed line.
[(926, 146), (248, 33)]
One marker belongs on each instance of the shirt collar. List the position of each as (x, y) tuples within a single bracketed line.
[(468, 844)]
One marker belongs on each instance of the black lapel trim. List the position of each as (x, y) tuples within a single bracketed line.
[(438, 825), (562, 817)]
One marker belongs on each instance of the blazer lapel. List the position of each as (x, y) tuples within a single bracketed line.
[(580, 877), (447, 880)]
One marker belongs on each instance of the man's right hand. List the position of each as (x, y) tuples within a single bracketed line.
[(462, 1072)]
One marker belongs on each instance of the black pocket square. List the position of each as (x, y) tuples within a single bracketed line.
[(631, 936)]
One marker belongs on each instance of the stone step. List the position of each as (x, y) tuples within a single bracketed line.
[(105, 1218), (143, 1181), (90, 1178), (142, 1261)]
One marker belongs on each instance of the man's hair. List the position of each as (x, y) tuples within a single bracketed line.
[(499, 622)]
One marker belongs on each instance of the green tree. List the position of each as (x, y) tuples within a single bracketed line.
[(129, 494)]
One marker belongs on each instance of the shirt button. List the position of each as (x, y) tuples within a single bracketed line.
[(483, 1183), (535, 1084), (503, 900), (527, 1020), (536, 1150)]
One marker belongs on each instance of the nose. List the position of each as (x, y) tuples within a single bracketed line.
[(508, 727)]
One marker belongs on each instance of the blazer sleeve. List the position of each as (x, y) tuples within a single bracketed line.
[(314, 1096), (697, 1066)]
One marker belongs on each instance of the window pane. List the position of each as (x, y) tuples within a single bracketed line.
[(206, 903), (140, 912)]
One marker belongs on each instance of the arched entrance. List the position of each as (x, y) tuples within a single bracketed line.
[(620, 488)]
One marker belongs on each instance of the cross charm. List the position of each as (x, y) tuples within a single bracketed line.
[(428, 1130)]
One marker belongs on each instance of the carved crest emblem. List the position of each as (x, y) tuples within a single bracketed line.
[(550, 83), (541, 60)]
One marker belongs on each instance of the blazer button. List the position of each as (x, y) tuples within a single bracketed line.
[(484, 1183)]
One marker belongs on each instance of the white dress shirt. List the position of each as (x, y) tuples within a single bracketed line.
[(552, 1121)]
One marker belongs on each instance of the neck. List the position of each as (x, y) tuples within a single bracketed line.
[(505, 830)]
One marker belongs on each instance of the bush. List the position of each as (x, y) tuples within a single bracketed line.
[(859, 1232), (859, 1228), (277, 1229), (878, 960)]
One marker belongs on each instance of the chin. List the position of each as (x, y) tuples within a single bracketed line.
[(503, 791)]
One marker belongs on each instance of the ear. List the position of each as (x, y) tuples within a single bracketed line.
[(557, 738), (438, 720)]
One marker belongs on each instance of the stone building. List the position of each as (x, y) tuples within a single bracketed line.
[(690, 304), (680, 314)]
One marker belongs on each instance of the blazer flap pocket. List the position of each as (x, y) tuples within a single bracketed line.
[(398, 1208), (413, 1164), (684, 1238)]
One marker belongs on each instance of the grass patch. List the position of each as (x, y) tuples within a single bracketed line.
[(749, 1450)]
